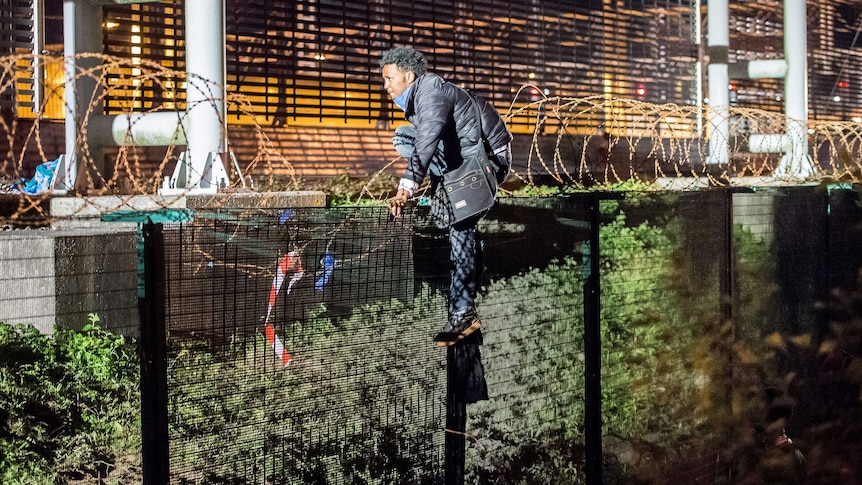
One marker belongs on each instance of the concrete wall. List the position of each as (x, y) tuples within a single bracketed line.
[(50, 277), (97, 273), (81, 265), (755, 213), (27, 290)]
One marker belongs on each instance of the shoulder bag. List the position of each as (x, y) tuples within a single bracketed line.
[(471, 188)]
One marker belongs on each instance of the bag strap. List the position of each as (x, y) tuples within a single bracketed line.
[(478, 114)]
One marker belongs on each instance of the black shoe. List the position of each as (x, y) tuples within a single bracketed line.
[(457, 329)]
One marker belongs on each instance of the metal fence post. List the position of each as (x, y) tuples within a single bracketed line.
[(727, 275), (456, 424), (592, 350), (154, 385)]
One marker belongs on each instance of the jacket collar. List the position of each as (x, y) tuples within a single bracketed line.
[(401, 100), (411, 95)]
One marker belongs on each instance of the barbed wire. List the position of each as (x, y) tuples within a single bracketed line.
[(596, 141)]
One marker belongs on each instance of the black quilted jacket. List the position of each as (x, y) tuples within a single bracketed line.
[(441, 111)]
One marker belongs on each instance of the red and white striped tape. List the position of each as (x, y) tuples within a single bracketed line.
[(288, 264)]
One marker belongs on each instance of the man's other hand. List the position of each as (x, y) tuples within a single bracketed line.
[(396, 204)]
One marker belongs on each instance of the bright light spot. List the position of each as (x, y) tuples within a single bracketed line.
[(857, 119), (110, 24), (531, 75), (641, 90), (837, 99), (320, 57), (810, 131), (136, 39)]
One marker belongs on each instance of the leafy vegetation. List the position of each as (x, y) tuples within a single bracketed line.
[(345, 190), (69, 405), (531, 429), (677, 375), (530, 432), (345, 411)]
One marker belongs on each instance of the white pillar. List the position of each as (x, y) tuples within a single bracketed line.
[(796, 162), (70, 93), (38, 45), (82, 34), (718, 127), (697, 38), (205, 64)]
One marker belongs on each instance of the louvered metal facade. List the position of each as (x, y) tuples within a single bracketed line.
[(314, 62), (16, 36)]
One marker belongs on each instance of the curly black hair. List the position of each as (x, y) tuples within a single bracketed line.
[(406, 59)]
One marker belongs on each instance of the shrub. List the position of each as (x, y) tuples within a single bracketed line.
[(240, 415), (531, 429), (69, 404)]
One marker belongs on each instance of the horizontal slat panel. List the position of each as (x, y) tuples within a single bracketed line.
[(572, 49)]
